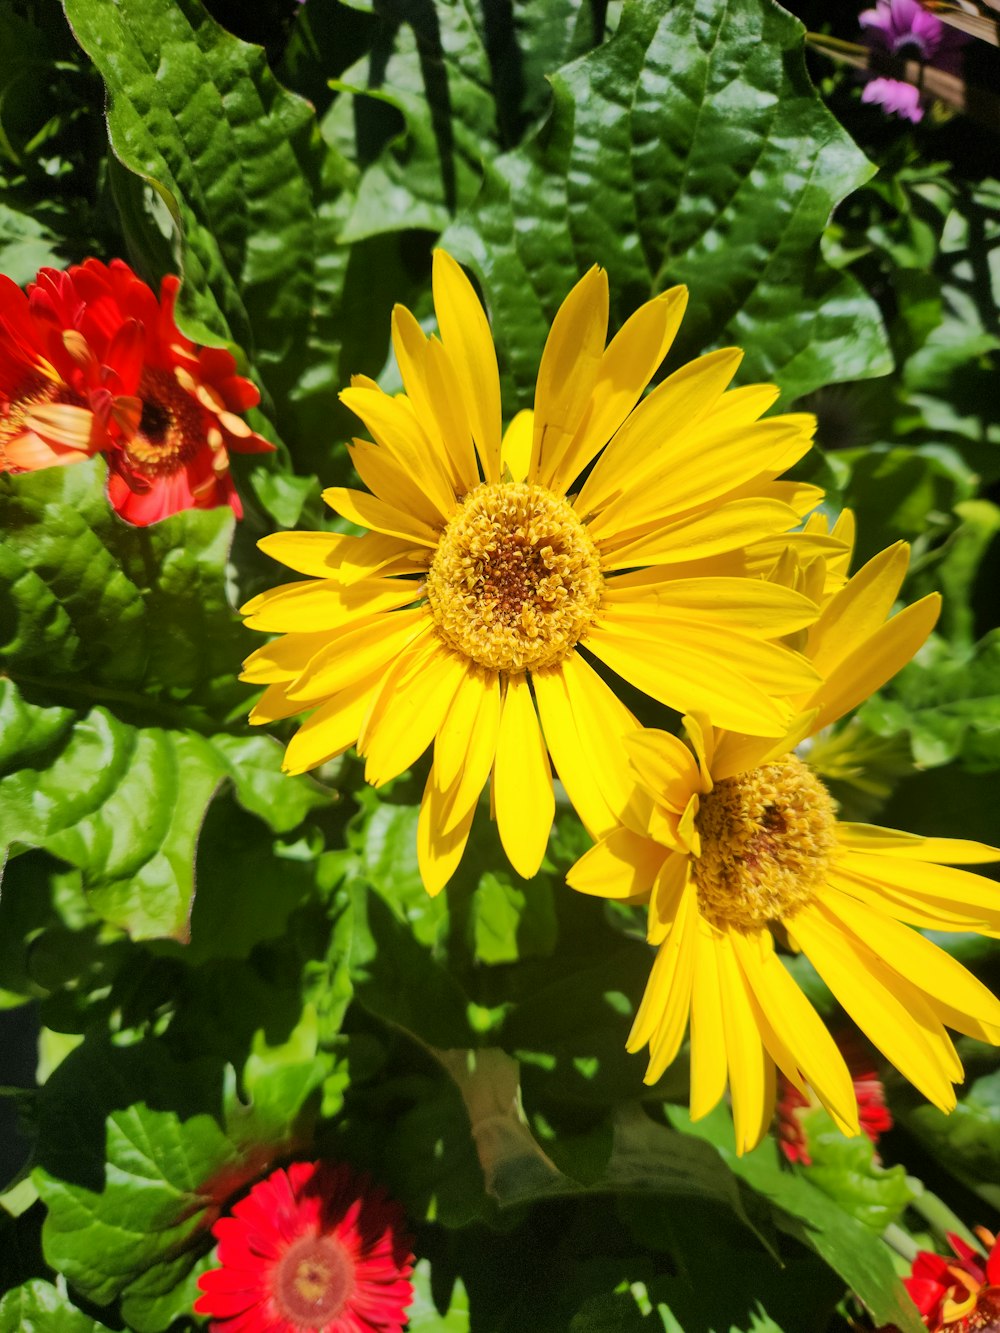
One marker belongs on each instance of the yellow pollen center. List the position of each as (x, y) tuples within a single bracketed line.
[(516, 578), (170, 429), (767, 837)]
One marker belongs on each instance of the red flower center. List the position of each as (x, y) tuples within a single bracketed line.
[(313, 1280), (170, 428)]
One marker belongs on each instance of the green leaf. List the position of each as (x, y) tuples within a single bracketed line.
[(509, 921), (810, 1216), (967, 1141), (38, 1307), (848, 1170), (715, 164), (425, 1316), (133, 1182)]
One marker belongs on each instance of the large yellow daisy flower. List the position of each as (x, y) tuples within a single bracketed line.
[(734, 839), (460, 616)]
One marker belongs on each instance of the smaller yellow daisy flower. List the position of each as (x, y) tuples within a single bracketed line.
[(734, 839), (491, 583)]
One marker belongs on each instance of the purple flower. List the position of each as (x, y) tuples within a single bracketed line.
[(903, 28)]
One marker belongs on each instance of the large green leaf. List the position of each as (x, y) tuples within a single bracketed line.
[(138, 1156), (38, 1307), (967, 1142), (692, 148)]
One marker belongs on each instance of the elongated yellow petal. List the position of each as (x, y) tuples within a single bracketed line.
[(568, 372), (522, 781), (465, 333), (405, 450), (331, 730), (727, 528), (673, 990), (319, 604), (368, 511), (670, 889), (627, 366), (647, 440), (602, 721), (870, 666), (562, 736), (852, 973), (515, 448), (359, 648), (315, 553), (799, 1028), (751, 1080), (476, 710), (272, 706), (391, 482), (283, 659), (657, 997), (914, 956), (851, 617), (688, 680), (622, 865), (948, 851), (412, 703), (913, 908), (431, 384), (709, 1068), (927, 883), (439, 852), (761, 609)]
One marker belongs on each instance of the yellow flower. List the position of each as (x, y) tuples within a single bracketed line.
[(734, 839), (458, 619)]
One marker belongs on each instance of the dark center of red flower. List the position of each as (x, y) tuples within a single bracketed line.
[(313, 1281), (171, 429), (985, 1318)]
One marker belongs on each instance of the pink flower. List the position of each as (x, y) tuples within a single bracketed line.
[(904, 29)]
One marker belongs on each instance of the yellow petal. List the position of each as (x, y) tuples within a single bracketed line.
[(569, 756), (646, 443), (949, 851), (568, 371), (870, 666), (272, 706), (522, 781), (412, 702), (410, 459), (727, 528), (64, 425), (658, 995), (515, 448), (331, 730), (709, 1069), (852, 973), (672, 990), (751, 1071), (319, 604), (853, 615), (465, 333), (333, 555), (670, 890), (627, 366), (282, 659), (688, 680), (622, 865), (665, 767), (913, 908), (466, 743), (914, 956), (921, 882), (799, 1028), (762, 609), (396, 486), (368, 511), (359, 648), (439, 852)]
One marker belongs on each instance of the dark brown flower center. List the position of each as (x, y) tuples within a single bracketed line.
[(171, 429), (313, 1281)]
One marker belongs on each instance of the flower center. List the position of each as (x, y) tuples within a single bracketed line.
[(170, 429), (767, 837), (516, 578), (313, 1281), (35, 391)]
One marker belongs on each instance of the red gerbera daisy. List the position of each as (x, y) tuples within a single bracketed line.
[(53, 409), (311, 1249), (963, 1296), (874, 1116), (175, 405)]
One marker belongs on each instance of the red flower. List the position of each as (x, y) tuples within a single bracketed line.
[(315, 1249), (175, 405), (874, 1115), (53, 410), (962, 1296)]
